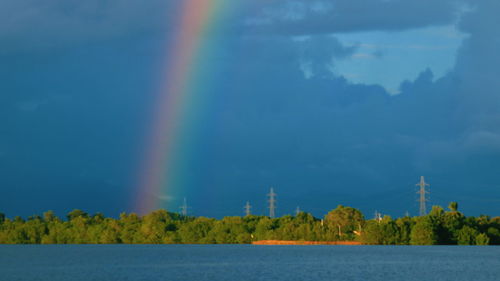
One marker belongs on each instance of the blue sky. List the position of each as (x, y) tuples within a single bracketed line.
[(388, 58), (329, 101)]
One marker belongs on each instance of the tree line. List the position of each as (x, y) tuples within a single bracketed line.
[(442, 227)]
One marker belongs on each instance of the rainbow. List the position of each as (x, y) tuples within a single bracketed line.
[(180, 98)]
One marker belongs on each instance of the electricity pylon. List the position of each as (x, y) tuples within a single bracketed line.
[(272, 203), (422, 184), (184, 208), (248, 209)]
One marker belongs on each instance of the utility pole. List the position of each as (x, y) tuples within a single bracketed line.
[(272, 203), (297, 211), (248, 209), (422, 184), (184, 208)]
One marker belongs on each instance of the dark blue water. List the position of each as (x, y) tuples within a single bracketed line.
[(247, 262)]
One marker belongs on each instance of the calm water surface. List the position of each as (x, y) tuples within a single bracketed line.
[(247, 262)]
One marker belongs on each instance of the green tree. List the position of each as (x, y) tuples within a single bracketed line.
[(405, 226), (453, 221), (304, 227), (49, 216), (343, 221), (160, 226), (229, 230), (383, 232), (453, 206), (286, 227), (34, 229), (467, 236), (423, 233), (77, 232), (76, 213), (264, 229), (154, 227), (372, 233), (482, 239), (494, 235), (439, 220), (436, 212), (130, 225), (98, 218), (109, 235), (196, 231)]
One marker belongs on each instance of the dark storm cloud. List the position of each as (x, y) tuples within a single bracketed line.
[(303, 17), (324, 135), (318, 54), (61, 145), (27, 25), (72, 121), (478, 62), (474, 94), (30, 24)]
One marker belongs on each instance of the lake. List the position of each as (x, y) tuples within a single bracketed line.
[(247, 262)]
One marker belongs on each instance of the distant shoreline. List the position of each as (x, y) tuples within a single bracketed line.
[(341, 226), (291, 242)]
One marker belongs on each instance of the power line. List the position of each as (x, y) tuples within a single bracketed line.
[(272, 203), (422, 184)]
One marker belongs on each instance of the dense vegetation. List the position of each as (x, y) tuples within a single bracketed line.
[(343, 223)]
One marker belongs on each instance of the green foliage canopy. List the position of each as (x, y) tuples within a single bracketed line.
[(162, 227)]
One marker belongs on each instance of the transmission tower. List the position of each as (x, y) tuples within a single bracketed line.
[(248, 209), (422, 184), (272, 203), (184, 208), (297, 211)]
